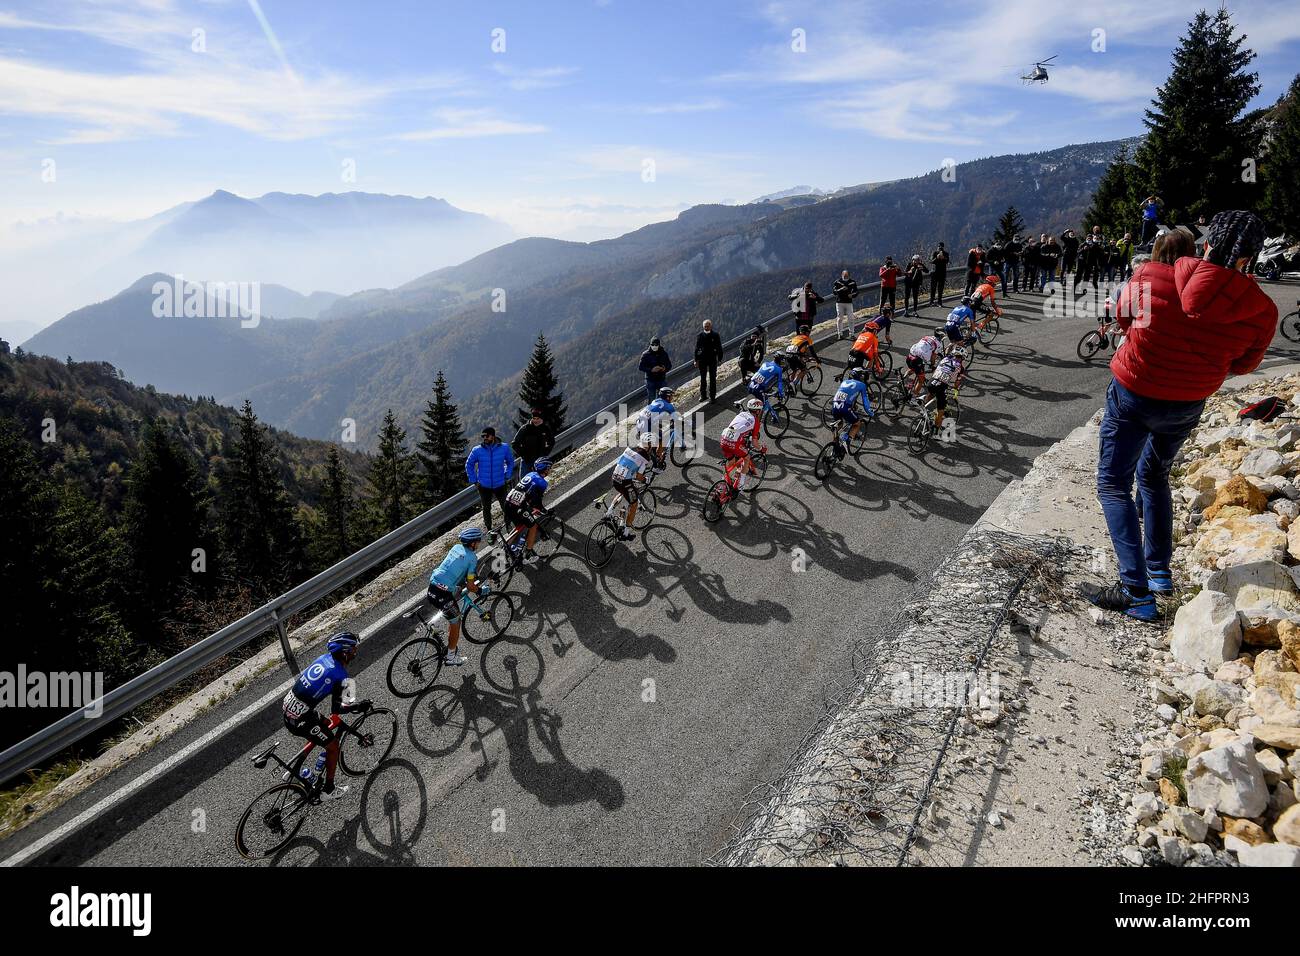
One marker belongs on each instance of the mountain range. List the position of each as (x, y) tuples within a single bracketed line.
[(596, 302)]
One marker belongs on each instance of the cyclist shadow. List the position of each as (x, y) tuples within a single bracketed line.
[(383, 833)]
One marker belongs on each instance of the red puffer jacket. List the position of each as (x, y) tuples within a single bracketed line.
[(1189, 326)]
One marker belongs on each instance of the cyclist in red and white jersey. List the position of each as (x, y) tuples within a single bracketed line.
[(738, 439)]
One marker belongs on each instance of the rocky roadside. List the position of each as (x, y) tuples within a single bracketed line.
[(1218, 781)]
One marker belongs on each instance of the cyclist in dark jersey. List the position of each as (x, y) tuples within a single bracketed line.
[(324, 677), (524, 505)]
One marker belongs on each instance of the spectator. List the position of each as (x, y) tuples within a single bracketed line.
[(1049, 254), (912, 279), (488, 467), (1125, 250), (1069, 253), (708, 353), (939, 259), (1190, 323), (996, 259), (1031, 260), (1013, 249), (533, 441), (751, 352), (1091, 259), (805, 305), (1150, 218), (845, 290), (888, 283), (974, 267), (655, 363)]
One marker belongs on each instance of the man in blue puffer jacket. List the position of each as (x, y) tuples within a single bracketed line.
[(488, 467)]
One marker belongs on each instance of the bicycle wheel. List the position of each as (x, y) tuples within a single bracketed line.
[(415, 666), (716, 500), (550, 537), (812, 381), (918, 435), (646, 508), (857, 442), (875, 394), (760, 468), (900, 389), (359, 756), (601, 542), (1291, 326), (486, 625), (271, 820), (678, 453), (776, 421), (886, 365), (1089, 345), (826, 461), (828, 412), (501, 568), (990, 331)]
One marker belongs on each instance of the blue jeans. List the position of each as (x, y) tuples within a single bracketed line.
[(1140, 435), (652, 390)]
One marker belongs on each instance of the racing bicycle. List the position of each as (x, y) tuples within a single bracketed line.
[(417, 663), (727, 489)]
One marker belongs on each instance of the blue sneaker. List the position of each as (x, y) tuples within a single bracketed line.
[(1161, 583), (1119, 598)]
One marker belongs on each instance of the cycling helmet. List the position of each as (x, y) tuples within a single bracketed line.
[(342, 642), (542, 464), (941, 331), (471, 534), (644, 440), (754, 405), (665, 393), (886, 310), (804, 330), (779, 359), (991, 278), (965, 300), (858, 374)]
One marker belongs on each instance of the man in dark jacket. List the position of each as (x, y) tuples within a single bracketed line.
[(939, 260), (996, 259), (804, 305), (1049, 254), (708, 353), (533, 441), (1011, 277), (751, 352), (488, 467), (844, 289), (1069, 252), (1031, 261), (1092, 257), (912, 279), (974, 267), (655, 363)]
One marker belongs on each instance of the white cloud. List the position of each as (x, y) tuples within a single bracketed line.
[(522, 79), (468, 124)]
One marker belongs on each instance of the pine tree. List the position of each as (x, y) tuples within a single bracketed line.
[(1010, 225), (261, 543), (392, 478), (1115, 201), (1197, 137), (164, 519), (537, 390), (1278, 168), (441, 450), (333, 535)]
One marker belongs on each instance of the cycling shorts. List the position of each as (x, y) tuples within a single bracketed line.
[(624, 487), (445, 601), (520, 517), (940, 392), (845, 413), (312, 726), (916, 364), (736, 448)]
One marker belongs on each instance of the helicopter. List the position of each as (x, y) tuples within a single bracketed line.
[(1039, 73)]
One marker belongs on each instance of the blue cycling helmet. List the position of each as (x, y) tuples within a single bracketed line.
[(471, 534), (342, 642), (542, 464)]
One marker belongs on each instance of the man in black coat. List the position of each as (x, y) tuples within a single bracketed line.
[(751, 352), (532, 441), (655, 364), (708, 353), (939, 260), (1011, 278)]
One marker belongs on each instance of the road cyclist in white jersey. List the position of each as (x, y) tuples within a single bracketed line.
[(658, 420), (633, 465)]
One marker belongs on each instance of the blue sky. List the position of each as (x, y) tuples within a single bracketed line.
[(552, 134)]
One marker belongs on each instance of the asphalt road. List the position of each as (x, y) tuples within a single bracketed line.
[(632, 711)]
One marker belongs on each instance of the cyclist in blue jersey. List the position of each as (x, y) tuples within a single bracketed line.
[(657, 420), (445, 583), (962, 315), (844, 405), (771, 372), (524, 506), (326, 676)]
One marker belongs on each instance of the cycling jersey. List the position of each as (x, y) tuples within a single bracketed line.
[(867, 344), (768, 373), (960, 315), (804, 344), (849, 393), (926, 349), (743, 426), (949, 370), (654, 416), (528, 492), (985, 292), (630, 464), (456, 568), (323, 678)]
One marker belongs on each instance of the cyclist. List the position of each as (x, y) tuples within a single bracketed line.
[(882, 323), (805, 344), (844, 405), (456, 571), (631, 466), (799, 353), (962, 315), (738, 439), (866, 349), (326, 676), (924, 356), (524, 506), (947, 374), (652, 421), (982, 302), (771, 372)]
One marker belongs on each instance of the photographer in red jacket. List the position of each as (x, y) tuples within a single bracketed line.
[(1190, 323)]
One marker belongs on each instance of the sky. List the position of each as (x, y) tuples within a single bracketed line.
[(569, 118)]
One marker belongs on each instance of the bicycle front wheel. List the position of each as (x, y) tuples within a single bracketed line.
[(271, 820), (990, 331), (415, 666), (1089, 345), (678, 453), (827, 459), (550, 537), (885, 364), (760, 468), (487, 618), (812, 381), (776, 421), (918, 435), (360, 755), (1291, 326), (647, 506), (715, 501), (601, 542)]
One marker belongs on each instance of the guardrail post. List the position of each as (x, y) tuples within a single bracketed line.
[(284, 645)]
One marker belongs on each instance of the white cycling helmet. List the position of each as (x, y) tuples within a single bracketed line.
[(645, 440), (754, 405)]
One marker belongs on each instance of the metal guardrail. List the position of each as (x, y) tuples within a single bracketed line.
[(120, 701)]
